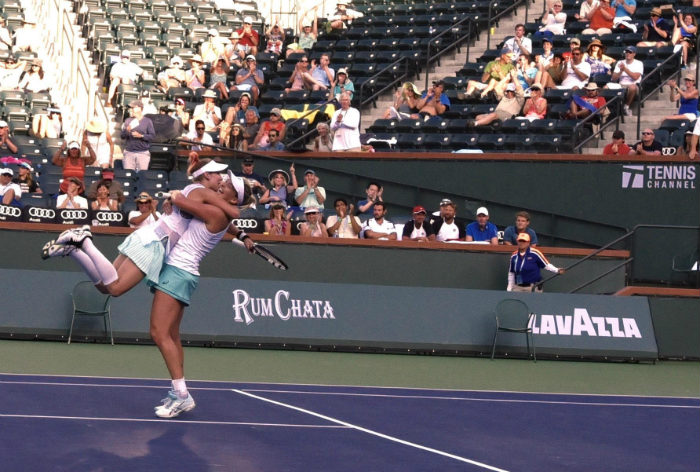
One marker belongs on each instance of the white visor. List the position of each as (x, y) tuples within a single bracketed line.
[(212, 166), (238, 186)]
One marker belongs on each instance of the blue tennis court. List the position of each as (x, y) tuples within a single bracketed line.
[(107, 424)]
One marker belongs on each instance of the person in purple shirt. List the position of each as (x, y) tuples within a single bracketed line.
[(137, 134)]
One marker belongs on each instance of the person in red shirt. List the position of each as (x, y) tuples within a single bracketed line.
[(617, 147), (249, 38), (601, 19), (583, 105)]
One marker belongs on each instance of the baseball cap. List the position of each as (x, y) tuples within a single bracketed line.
[(631, 49), (575, 41), (510, 87), (342, 71), (26, 165), (126, 53), (136, 103), (213, 32), (524, 237), (482, 211), (73, 145), (108, 174), (248, 160), (7, 171), (446, 201), (248, 20), (276, 111), (250, 57), (309, 171), (3, 124), (144, 197), (419, 209), (311, 209), (591, 86), (439, 82)]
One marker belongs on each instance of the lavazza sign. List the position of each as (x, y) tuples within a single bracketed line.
[(582, 324), (282, 305)]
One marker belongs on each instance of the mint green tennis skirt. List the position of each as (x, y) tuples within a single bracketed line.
[(148, 257), (176, 282)]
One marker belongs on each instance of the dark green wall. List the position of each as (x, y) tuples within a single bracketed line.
[(677, 326)]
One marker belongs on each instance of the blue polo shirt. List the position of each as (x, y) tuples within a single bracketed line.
[(444, 99), (511, 235), (620, 11), (490, 231)]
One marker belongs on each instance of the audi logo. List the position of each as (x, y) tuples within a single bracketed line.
[(109, 216), (35, 212), (668, 151), (10, 211), (246, 223), (74, 214)]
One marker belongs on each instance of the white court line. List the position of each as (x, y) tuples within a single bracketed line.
[(378, 395), (495, 400), (171, 421), (374, 433)]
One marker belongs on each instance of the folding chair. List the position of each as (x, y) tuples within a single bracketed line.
[(514, 316), (88, 301)]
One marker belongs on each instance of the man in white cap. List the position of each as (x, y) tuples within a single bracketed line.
[(173, 76), (248, 37), (9, 191), (212, 48), (5, 37), (345, 126), (343, 15), (27, 37), (509, 106), (482, 229), (235, 52), (313, 227), (137, 134), (208, 112), (123, 72), (250, 78), (6, 144)]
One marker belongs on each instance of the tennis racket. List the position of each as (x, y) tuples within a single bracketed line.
[(266, 254)]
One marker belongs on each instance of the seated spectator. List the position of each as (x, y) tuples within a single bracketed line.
[(418, 229), (146, 211), (68, 156), (34, 80), (685, 30), (232, 136), (582, 106), (278, 223), (573, 44), (600, 63), (27, 38), (379, 227), (482, 229), (199, 135), (273, 123), (273, 142), (648, 146), (249, 38), (617, 147), (522, 225), (10, 72), (173, 76), (374, 192), (71, 198), (275, 38), (116, 192), (693, 145), (124, 72), (624, 9), (446, 228), (342, 84), (296, 80), (433, 102), (519, 44), (313, 226), (525, 71), (218, 78), (212, 48), (628, 75), (343, 224), (101, 142), (26, 180), (7, 146), (657, 32), (509, 106), (324, 141), (343, 16), (148, 107), (311, 194), (237, 113), (102, 201), (207, 112), (48, 125), (552, 75), (495, 77), (553, 20), (688, 97), (345, 125), (180, 113), (195, 77), (280, 188), (578, 71), (405, 102), (308, 33), (235, 52), (535, 107), (321, 75), (9, 192), (544, 60), (250, 78), (587, 7), (251, 126), (601, 19), (5, 37)]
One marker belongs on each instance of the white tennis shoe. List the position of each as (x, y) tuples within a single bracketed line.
[(51, 249), (175, 406), (74, 236)]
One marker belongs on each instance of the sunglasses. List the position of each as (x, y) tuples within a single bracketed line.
[(272, 135), (304, 60), (646, 132), (200, 128), (312, 213)]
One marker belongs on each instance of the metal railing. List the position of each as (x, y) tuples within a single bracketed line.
[(455, 43), (648, 77), (615, 103), (492, 20)]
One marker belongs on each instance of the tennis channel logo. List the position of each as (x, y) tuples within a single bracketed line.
[(282, 305), (664, 177), (582, 324)]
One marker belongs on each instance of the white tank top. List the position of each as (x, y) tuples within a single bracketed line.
[(194, 244)]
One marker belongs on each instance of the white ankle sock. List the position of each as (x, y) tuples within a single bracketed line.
[(180, 387), (88, 267), (104, 267)]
